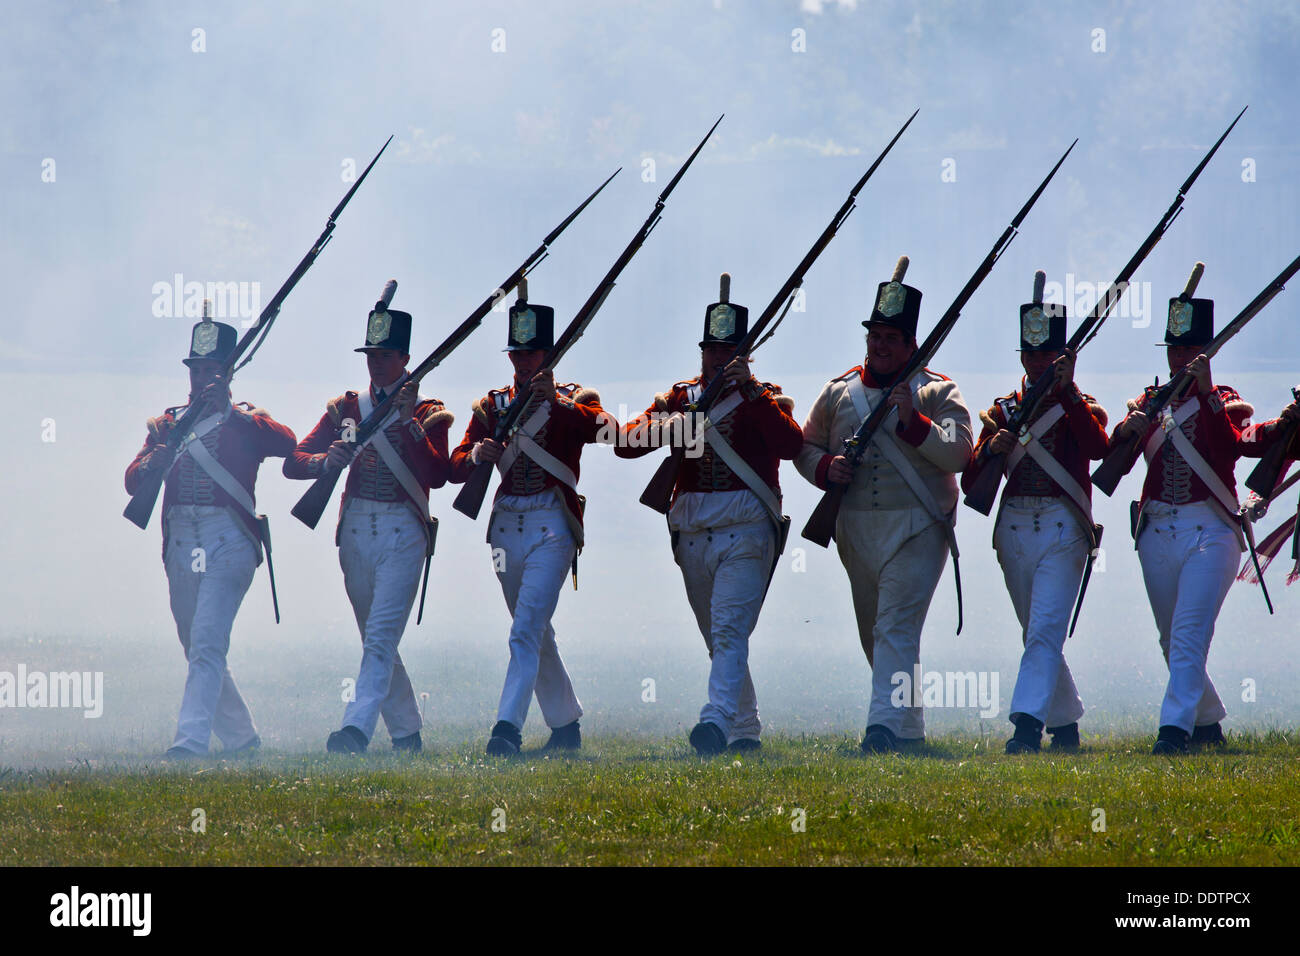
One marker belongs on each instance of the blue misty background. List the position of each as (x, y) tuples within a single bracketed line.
[(222, 165)]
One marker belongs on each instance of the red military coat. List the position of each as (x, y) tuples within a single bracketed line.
[(1077, 438), (421, 443), (760, 429), (1218, 431), (240, 444), (575, 419)]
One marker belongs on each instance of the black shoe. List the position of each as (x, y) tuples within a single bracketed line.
[(708, 739), (879, 739), (742, 744), (1208, 735), (1028, 738), (568, 737), (410, 743), (506, 740), (244, 750), (1065, 738), (180, 754), (349, 740), (1171, 741)]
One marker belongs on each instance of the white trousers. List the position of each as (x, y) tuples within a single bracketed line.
[(1189, 560), (1043, 550), (206, 589), (894, 559), (532, 552), (381, 551), (726, 573)]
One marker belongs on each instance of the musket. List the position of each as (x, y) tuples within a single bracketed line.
[(1124, 451), (140, 507), (1253, 511), (1271, 545), (658, 493), (984, 490), (821, 524), (470, 499), (312, 504), (1264, 476)]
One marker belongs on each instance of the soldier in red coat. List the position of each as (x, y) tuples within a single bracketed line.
[(1187, 525), (212, 536), (725, 521), (535, 528), (1044, 533), (385, 533)]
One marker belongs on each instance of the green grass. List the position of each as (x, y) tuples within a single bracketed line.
[(633, 800)]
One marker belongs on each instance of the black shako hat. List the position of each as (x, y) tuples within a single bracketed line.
[(211, 340), (1191, 321), (531, 326), (1042, 326), (387, 328), (725, 323), (897, 306)]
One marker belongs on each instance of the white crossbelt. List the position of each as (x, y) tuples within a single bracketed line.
[(1171, 429), (390, 455), (214, 469), (203, 458), (196, 433), (523, 442), (1031, 445), (888, 446), (732, 457)]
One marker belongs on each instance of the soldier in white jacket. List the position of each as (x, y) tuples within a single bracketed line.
[(895, 527)]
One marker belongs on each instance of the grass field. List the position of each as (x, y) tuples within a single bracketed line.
[(638, 800)]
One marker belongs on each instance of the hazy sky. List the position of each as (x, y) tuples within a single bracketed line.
[(142, 141)]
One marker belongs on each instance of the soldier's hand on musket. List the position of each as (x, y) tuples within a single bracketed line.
[(738, 372), (901, 398), (1137, 423), (340, 454), (1200, 370), (669, 430), (544, 385), (1002, 442), (1291, 413), (214, 395), (405, 399), (840, 471), (1063, 370), (490, 450)]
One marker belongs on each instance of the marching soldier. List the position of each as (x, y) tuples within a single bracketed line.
[(385, 533), (1044, 532), (895, 528), (212, 535), (1187, 527), (726, 525), (535, 528)]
